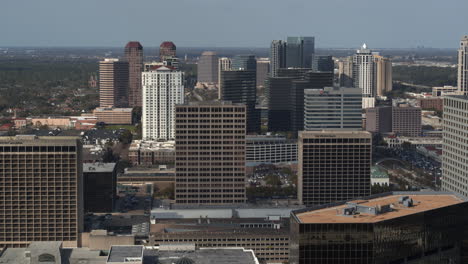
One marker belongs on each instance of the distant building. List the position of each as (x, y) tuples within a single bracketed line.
[(113, 116), (406, 121), (379, 119), (299, 52), (279, 94), (323, 63), (208, 68), (345, 72), (224, 64), (151, 152), (277, 56), (216, 132), (244, 63), (380, 229), (463, 65), (35, 171), (384, 78), (113, 83), (270, 150), (431, 103), (444, 90), (263, 70), (364, 75), (163, 88), (167, 50), (134, 57), (332, 109), (333, 166), (100, 187)]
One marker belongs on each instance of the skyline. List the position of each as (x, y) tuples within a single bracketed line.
[(399, 24)]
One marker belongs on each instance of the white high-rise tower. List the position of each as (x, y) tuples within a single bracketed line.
[(463, 66)]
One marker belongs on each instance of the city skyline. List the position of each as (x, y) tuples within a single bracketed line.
[(417, 24)]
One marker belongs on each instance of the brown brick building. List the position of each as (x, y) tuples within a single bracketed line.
[(432, 103), (113, 83), (134, 57)]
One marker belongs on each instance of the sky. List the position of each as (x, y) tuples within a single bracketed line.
[(233, 23)]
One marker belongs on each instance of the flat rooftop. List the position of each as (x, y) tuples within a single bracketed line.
[(122, 253), (99, 167), (423, 201), (208, 256)]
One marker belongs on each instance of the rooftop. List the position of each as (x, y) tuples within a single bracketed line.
[(422, 202), (123, 253), (98, 167)]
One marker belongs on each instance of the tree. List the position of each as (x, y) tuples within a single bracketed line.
[(126, 137)]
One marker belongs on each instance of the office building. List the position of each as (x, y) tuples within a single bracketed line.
[(384, 79), (345, 72), (277, 56), (379, 119), (100, 187), (299, 52), (224, 64), (210, 153), (332, 109), (151, 152), (463, 66), (263, 70), (113, 116), (163, 88), (333, 166), (239, 86), (40, 190), (244, 63), (270, 150), (208, 68), (113, 83), (406, 121), (167, 50), (134, 57), (455, 146), (323, 63), (398, 227), (431, 103), (364, 76), (279, 103)]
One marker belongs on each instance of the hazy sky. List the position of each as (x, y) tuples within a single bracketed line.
[(233, 23)]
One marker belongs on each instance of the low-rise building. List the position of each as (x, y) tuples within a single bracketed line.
[(159, 178), (379, 177), (270, 149), (431, 103), (112, 116), (142, 152)]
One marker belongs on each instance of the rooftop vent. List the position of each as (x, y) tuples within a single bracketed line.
[(406, 201)]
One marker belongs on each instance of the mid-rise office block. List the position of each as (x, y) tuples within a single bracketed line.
[(239, 86), (279, 103), (208, 67), (263, 70), (270, 149), (364, 75), (333, 109), (398, 227), (333, 166), (167, 50), (379, 119), (210, 153), (113, 116), (323, 63), (384, 79), (455, 145), (345, 72), (431, 103), (100, 187), (406, 121), (40, 190), (134, 57), (113, 83), (463, 65), (163, 88), (277, 56)]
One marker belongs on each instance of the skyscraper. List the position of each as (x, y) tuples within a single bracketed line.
[(364, 75), (323, 63), (332, 109), (41, 190), (208, 67), (163, 88), (463, 65), (299, 52), (239, 86), (113, 83), (345, 72), (279, 103), (224, 64), (134, 57), (333, 166), (244, 63), (210, 153), (384, 79), (277, 56), (455, 145), (167, 50), (263, 69)]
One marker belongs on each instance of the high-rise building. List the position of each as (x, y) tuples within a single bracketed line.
[(398, 227), (379, 119), (345, 72), (113, 83), (100, 187), (364, 76), (208, 68), (167, 50), (263, 70), (163, 88), (384, 79), (455, 145), (244, 63), (239, 86), (463, 65), (333, 166), (332, 109), (279, 103), (406, 121), (134, 57), (224, 64), (299, 52), (277, 56), (210, 153), (40, 190), (323, 63)]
